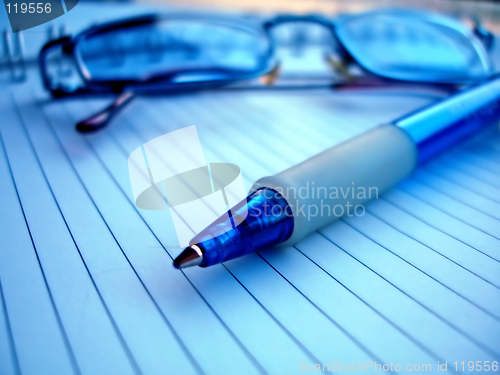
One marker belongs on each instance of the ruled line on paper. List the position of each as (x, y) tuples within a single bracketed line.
[(24, 284), (441, 291), (212, 268), (113, 222), (278, 267), (9, 363), (201, 328)]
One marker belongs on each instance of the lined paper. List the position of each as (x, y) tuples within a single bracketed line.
[(87, 284)]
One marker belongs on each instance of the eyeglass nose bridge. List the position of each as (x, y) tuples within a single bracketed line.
[(343, 58), (289, 18), (283, 19)]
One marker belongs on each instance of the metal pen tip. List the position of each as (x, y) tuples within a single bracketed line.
[(190, 256)]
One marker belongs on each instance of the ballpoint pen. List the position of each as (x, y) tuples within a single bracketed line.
[(273, 214)]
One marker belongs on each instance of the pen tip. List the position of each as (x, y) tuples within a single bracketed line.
[(190, 256)]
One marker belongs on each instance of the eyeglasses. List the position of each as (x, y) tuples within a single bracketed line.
[(168, 53)]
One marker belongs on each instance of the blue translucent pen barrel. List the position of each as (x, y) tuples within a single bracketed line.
[(261, 220), (441, 125), (314, 193)]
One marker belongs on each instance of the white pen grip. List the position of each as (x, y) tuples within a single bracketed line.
[(319, 187)]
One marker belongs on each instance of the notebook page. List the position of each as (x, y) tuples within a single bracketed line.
[(413, 281)]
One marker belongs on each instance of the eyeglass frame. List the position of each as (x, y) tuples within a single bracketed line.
[(94, 86)]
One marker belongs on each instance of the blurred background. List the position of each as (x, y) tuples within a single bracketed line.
[(488, 10)]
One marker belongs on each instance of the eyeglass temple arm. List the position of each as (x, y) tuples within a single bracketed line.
[(100, 119)]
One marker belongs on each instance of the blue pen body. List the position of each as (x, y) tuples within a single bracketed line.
[(381, 157), (441, 125)]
